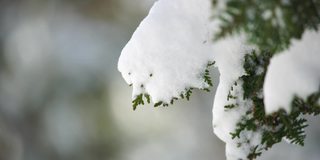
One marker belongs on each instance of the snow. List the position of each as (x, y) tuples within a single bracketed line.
[(171, 48), (296, 71), (173, 43), (169, 51), (229, 54)]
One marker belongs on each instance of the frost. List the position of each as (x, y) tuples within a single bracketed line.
[(296, 71), (169, 51)]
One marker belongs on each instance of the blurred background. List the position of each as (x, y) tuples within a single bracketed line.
[(62, 98)]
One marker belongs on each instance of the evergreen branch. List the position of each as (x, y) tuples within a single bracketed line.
[(138, 100), (280, 124), (269, 24)]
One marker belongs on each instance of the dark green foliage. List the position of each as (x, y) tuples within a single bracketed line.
[(246, 125), (158, 104), (188, 93), (206, 76), (280, 124), (147, 97), (230, 96), (137, 101), (270, 24), (211, 64), (254, 153), (309, 106), (173, 99), (253, 64), (230, 106)]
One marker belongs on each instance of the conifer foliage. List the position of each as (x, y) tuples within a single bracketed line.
[(269, 24), (139, 100), (277, 126), (269, 28)]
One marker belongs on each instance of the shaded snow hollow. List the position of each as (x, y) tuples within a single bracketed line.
[(172, 46)]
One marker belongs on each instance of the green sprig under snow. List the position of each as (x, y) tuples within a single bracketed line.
[(139, 99), (273, 127)]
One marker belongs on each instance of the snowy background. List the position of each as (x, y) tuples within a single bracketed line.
[(62, 97)]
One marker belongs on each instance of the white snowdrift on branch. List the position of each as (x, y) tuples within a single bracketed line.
[(171, 48), (229, 54), (296, 71), (172, 43)]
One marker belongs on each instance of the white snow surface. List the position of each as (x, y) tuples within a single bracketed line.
[(229, 54), (173, 44), (296, 71)]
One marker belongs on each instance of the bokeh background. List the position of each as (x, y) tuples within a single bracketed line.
[(62, 98)]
